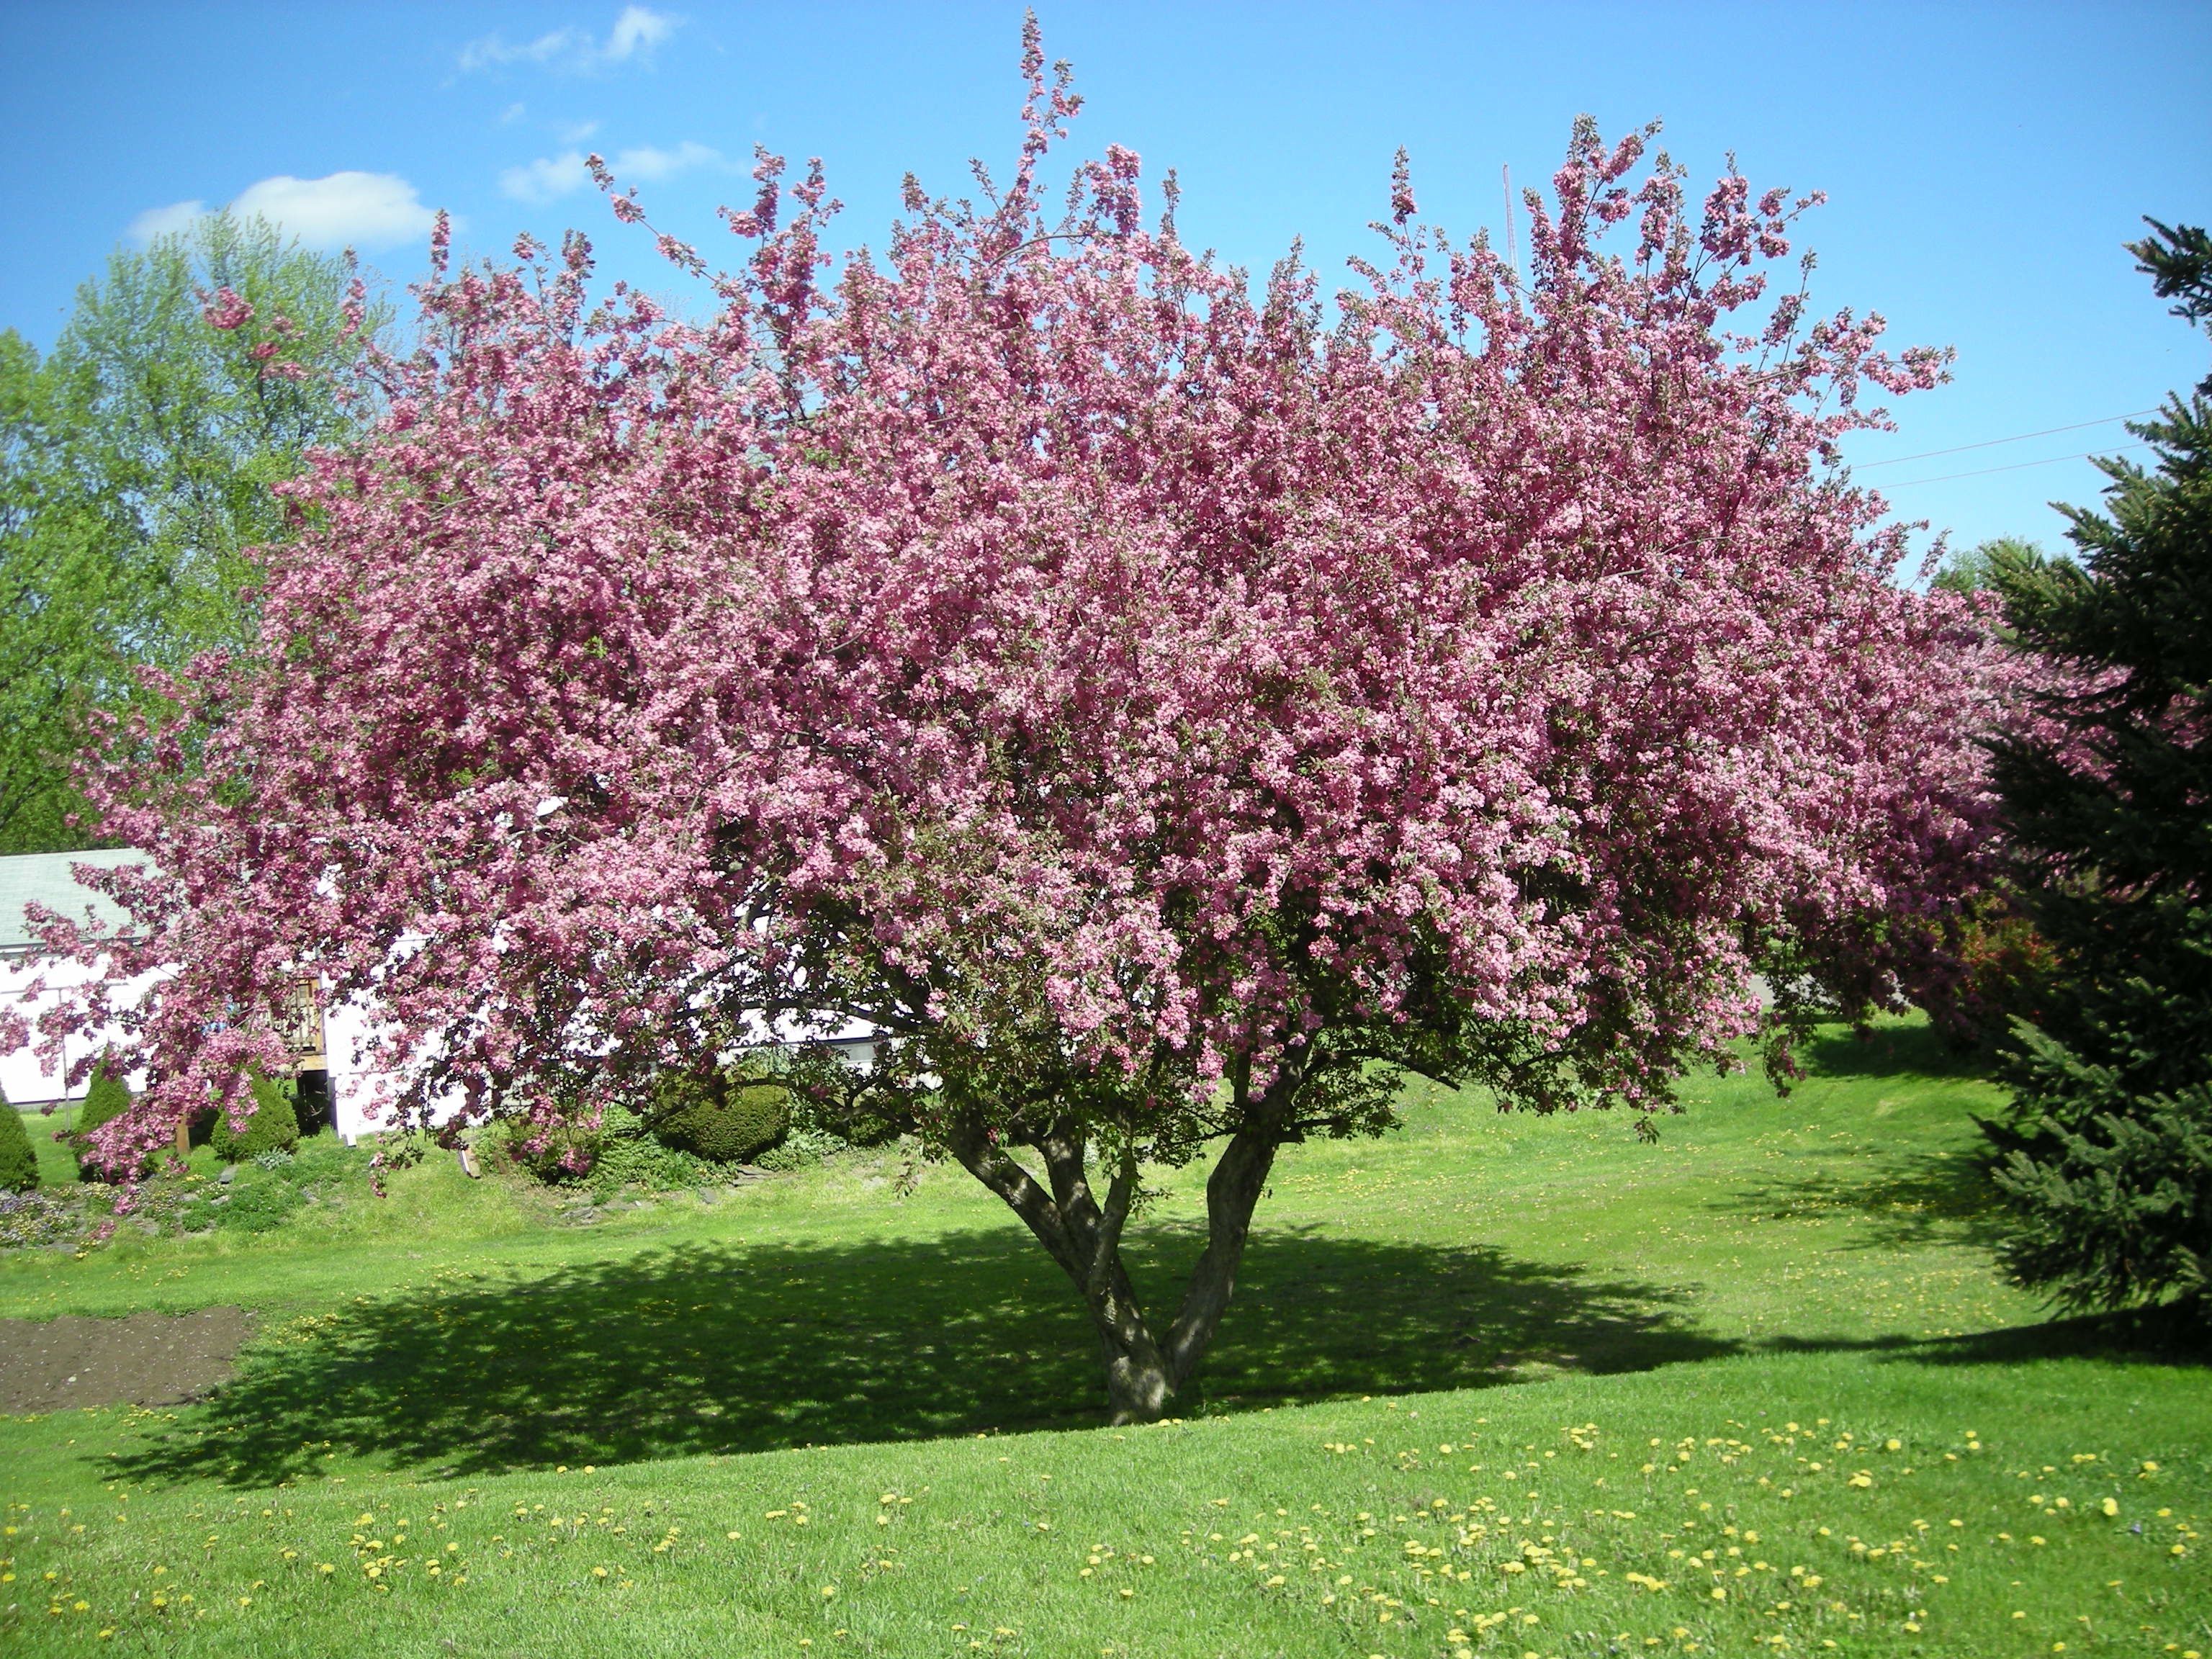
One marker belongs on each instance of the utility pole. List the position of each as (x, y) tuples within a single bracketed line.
[(1506, 173)]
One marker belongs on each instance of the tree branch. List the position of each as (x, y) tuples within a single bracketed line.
[(1230, 1194), (969, 1143)]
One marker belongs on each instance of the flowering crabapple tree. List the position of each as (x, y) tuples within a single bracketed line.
[(1167, 709)]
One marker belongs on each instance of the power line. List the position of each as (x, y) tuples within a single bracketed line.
[(2048, 460), (1991, 443)]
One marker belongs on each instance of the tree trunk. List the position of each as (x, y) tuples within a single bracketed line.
[(1143, 1372)]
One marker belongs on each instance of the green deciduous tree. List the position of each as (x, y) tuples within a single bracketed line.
[(1973, 569), (2107, 1157), (135, 462)]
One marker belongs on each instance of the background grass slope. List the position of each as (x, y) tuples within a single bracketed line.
[(1581, 1358)]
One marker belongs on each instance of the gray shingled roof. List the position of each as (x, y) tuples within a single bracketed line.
[(45, 877)]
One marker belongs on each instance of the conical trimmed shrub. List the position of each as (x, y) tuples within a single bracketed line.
[(19, 1160), (273, 1128), (107, 1099)]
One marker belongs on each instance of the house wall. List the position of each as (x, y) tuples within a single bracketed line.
[(26, 1079), (361, 1090)]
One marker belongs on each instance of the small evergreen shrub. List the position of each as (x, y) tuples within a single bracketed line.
[(624, 1150), (107, 1099), (19, 1160), (722, 1117), (272, 1127)]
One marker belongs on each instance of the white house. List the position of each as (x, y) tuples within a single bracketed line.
[(328, 1043), (45, 878)]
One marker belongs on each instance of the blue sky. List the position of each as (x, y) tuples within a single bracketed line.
[(1984, 164)]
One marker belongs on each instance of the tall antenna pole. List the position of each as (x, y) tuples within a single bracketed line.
[(1506, 173)]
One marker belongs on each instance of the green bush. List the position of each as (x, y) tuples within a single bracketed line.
[(19, 1161), (273, 1125), (270, 1187), (722, 1117), (624, 1150), (260, 1202), (562, 1154), (628, 1154), (801, 1147), (107, 1099)]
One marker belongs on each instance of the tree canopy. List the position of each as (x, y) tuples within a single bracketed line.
[(1167, 708), (135, 466)]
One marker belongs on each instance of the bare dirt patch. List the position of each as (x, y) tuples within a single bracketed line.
[(146, 1359)]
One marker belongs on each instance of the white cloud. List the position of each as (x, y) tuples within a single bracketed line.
[(552, 176), (649, 162), (576, 132), (492, 52), (511, 114), (343, 210), (356, 209), (547, 177), (637, 30), (163, 220)]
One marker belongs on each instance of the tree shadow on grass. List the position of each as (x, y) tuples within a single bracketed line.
[(1891, 1050), (1906, 1198), (1909, 1197), (752, 1347), (2169, 1333)]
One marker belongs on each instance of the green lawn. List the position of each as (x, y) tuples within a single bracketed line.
[(1528, 1380)]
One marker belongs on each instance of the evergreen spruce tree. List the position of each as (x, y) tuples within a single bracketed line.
[(2106, 1157)]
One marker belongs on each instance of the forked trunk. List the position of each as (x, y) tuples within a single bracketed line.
[(1144, 1369)]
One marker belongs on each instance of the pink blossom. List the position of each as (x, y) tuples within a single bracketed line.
[(226, 310)]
